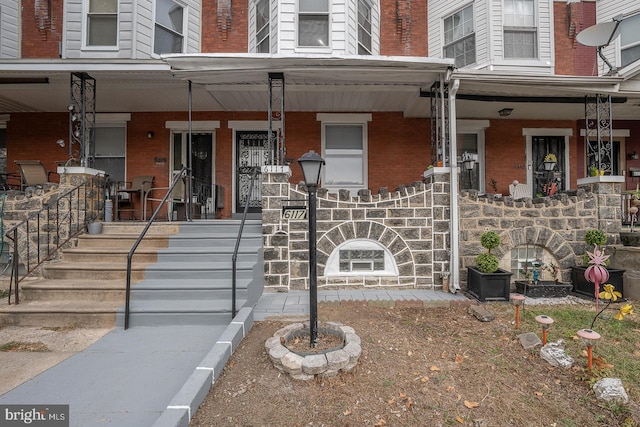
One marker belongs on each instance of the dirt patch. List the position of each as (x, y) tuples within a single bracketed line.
[(419, 367)]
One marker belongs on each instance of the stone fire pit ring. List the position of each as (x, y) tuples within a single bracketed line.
[(323, 364)]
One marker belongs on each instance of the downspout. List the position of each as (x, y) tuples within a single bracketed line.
[(454, 263)]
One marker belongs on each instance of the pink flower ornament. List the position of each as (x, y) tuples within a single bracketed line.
[(597, 272)]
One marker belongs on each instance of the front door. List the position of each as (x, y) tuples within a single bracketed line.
[(202, 168), (253, 150), (548, 182)]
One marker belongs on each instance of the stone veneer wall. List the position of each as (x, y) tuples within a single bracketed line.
[(557, 223), (17, 206), (411, 222)]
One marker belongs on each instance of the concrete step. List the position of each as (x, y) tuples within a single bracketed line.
[(195, 289), (122, 240), (109, 254), (83, 314), (199, 270), (220, 226), (136, 227), (76, 289), (183, 312), (226, 240), (93, 271)]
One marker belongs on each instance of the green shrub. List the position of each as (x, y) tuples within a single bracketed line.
[(487, 263), (490, 240), (595, 237)]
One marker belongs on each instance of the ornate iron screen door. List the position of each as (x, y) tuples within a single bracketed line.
[(253, 150), (547, 182)]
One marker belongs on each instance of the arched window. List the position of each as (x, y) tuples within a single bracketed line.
[(361, 257)]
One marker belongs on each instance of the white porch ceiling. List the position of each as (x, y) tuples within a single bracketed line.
[(327, 84)]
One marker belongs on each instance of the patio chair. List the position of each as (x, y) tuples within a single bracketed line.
[(32, 172), (518, 191), (176, 198), (140, 186)]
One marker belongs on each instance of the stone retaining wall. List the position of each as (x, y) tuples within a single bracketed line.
[(411, 222)]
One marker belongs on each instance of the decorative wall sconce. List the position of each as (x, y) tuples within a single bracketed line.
[(505, 112), (150, 134), (60, 143), (633, 155)]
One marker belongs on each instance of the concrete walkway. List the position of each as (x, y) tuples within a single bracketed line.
[(158, 376)]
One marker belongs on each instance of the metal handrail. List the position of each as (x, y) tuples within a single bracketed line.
[(234, 258), (54, 238), (181, 175)]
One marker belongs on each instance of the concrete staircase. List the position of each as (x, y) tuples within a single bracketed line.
[(181, 274)]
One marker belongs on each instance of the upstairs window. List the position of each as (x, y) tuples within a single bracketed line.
[(460, 37), (313, 23), (262, 26), (520, 32), (364, 28), (630, 40), (102, 23), (169, 35)]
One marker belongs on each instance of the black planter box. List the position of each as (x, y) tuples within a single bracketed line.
[(489, 286), (543, 289), (583, 287)]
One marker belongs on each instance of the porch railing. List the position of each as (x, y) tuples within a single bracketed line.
[(39, 237), (234, 257), (127, 306)]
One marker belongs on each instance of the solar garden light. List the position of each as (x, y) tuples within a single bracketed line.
[(518, 300), (589, 338), (311, 164), (544, 322)]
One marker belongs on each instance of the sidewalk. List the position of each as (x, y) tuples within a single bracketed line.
[(158, 376)]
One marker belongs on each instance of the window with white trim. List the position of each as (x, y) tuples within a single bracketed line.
[(102, 23), (358, 257), (110, 146), (629, 40), (520, 31), (262, 26), (313, 23), (364, 27), (344, 154), (169, 31), (460, 37)]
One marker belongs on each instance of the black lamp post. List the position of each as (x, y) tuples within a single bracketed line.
[(311, 164)]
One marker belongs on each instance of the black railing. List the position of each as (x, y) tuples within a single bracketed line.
[(39, 237), (181, 175), (234, 258)]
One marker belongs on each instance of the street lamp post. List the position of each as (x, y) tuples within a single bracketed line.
[(311, 164)]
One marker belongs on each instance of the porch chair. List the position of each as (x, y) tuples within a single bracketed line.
[(140, 186), (176, 198), (32, 172), (518, 191)]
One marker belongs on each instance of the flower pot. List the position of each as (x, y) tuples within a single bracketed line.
[(583, 287), (549, 166), (630, 238), (494, 286), (543, 289), (94, 228)]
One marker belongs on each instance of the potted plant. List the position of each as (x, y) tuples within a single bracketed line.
[(486, 281), (550, 161), (594, 238)]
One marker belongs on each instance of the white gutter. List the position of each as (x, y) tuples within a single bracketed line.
[(454, 263)]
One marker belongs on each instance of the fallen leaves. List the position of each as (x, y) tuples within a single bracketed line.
[(471, 405)]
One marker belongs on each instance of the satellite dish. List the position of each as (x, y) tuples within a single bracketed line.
[(599, 34)]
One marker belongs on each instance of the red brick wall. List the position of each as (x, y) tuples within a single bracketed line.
[(217, 39), (571, 57), (41, 30), (403, 27), (505, 150)]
